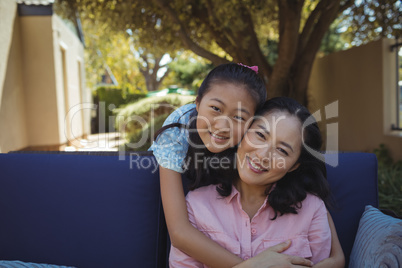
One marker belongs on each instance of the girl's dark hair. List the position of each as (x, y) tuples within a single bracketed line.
[(238, 75), (201, 173), (309, 177)]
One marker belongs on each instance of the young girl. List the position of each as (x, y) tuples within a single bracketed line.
[(226, 101), (278, 193)]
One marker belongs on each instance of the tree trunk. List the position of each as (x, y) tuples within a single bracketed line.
[(297, 51), (306, 54), (280, 82)]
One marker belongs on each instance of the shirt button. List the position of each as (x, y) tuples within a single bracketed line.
[(253, 231), (246, 258)]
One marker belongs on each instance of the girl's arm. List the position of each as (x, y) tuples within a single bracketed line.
[(183, 234), (271, 257), (336, 259)]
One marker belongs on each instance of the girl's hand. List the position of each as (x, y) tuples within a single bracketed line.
[(272, 257)]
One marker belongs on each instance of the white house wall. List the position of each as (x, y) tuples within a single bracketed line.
[(74, 122), (8, 11), (39, 80), (32, 98)]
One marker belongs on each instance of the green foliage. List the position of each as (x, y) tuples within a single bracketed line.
[(333, 40), (369, 20), (238, 30), (188, 72), (270, 49), (108, 98), (141, 140), (389, 181), (140, 120), (106, 50), (383, 156)]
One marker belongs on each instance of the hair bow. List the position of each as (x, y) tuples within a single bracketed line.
[(254, 68)]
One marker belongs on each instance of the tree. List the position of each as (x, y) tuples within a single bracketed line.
[(107, 50), (235, 30), (188, 70), (368, 20), (118, 52), (150, 64)]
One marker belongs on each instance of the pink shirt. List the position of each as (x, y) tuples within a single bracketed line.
[(224, 221)]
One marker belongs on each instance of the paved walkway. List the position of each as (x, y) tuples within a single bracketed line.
[(96, 142)]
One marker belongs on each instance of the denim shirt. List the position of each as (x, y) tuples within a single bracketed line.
[(170, 147)]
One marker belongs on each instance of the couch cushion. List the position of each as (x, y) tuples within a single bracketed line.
[(81, 210), (378, 241)]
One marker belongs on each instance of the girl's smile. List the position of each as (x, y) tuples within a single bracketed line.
[(224, 114), (218, 138)]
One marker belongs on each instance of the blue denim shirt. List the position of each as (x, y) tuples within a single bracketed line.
[(170, 147)]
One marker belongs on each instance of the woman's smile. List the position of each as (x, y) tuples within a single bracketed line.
[(270, 149), (256, 167)]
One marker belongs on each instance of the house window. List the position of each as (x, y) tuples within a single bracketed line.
[(397, 49)]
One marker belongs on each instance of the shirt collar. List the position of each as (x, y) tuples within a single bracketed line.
[(235, 192)]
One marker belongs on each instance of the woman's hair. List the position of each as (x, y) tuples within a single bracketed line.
[(199, 172), (309, 177)]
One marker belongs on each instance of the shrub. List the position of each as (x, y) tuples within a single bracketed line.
[(389, 181), (140, 120), (142, 139), (108, 98)]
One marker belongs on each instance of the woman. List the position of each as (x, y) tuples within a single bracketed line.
[(278, 195)]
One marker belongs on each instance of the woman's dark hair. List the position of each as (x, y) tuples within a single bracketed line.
[(200, 173), (309, 177)]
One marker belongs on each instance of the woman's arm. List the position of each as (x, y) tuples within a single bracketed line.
[(183, 235), (336, 259)]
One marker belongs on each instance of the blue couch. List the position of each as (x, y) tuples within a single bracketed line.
[(104, 209)]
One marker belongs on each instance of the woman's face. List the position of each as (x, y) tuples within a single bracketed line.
[(270, 149)]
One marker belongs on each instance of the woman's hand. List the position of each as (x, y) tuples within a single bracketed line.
[(272, 257)]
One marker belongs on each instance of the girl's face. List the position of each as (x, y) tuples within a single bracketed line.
[(224, 114), (270, 149)]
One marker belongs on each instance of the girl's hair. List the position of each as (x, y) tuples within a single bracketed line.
[(199, 172), (238, 75), (309, 177)]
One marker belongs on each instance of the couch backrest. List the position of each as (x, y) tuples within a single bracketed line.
[(353, 185), (81, 210), (102, 211)]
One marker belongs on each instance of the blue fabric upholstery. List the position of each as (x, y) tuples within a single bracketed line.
[(378, 241), (81, 210), (353, 186), (99, 211)]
